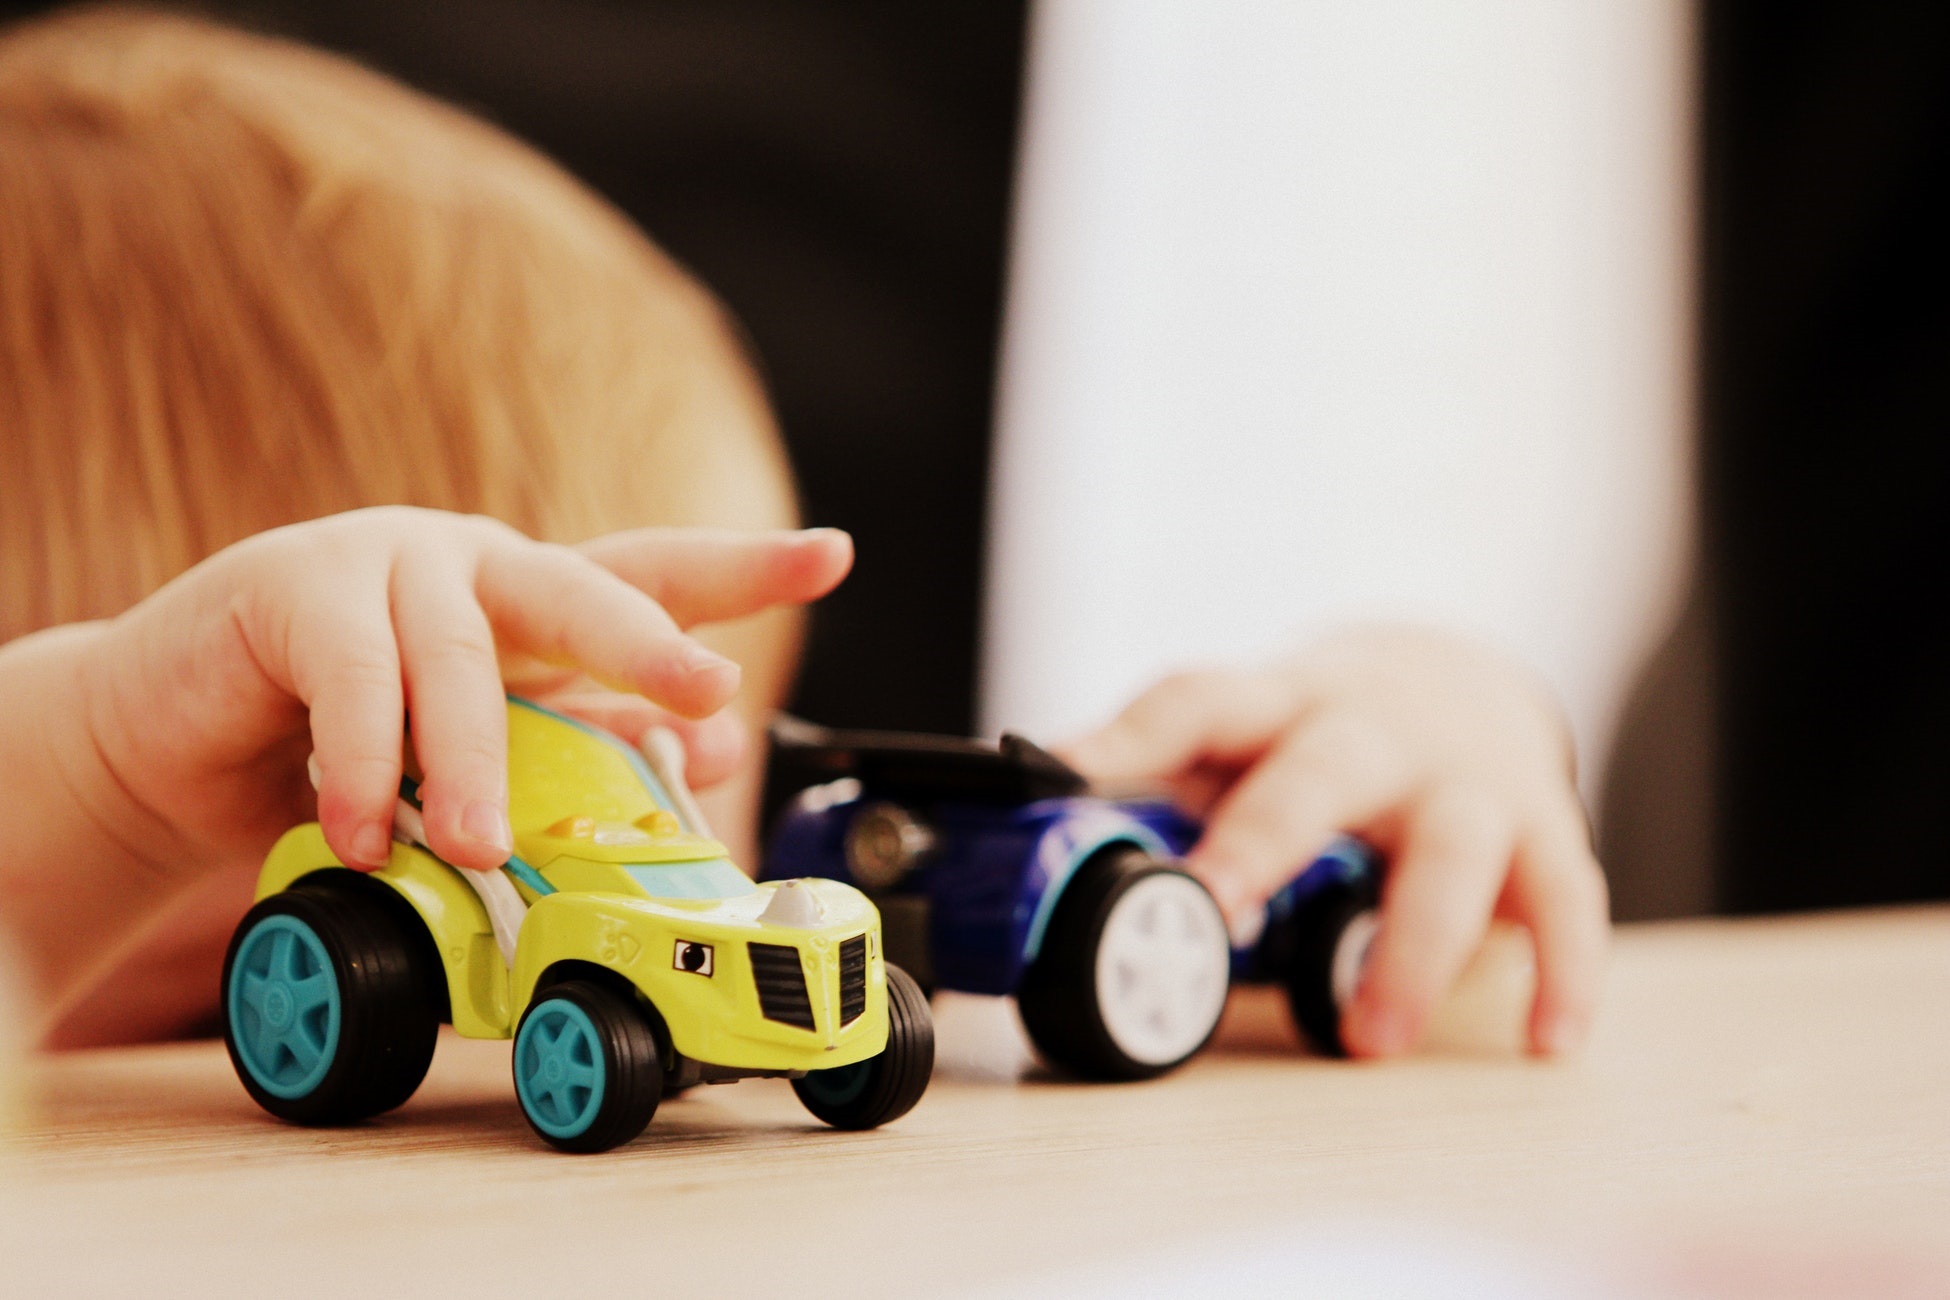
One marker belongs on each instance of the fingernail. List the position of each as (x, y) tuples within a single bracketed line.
[(487, 822), (1245, 928), (372, 845), (696, 659)]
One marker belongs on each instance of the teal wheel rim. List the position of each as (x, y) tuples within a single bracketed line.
[(840, 1085), (559, 1068), (284, 1009)]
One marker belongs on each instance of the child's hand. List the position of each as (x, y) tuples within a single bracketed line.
[(324, 635), (169, 743), (1450, 760)]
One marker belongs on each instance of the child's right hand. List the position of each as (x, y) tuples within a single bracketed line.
[(179, 730)]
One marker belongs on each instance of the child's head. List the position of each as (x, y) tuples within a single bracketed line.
[(244, 283)]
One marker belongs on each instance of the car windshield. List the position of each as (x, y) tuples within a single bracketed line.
[(712, 878)]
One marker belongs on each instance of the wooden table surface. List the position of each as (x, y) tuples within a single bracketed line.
[(1765, 1110)]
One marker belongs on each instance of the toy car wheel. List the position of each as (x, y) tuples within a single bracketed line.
[(881, 1088), (1132, 975), (330, 1007), (1330, 940), (588, 1071)]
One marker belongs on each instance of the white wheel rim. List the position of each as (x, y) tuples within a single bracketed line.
[(1351, 956), (1162, 968)]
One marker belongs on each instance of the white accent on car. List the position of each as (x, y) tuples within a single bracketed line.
[(793, 904), (1162, 968), (504, 907), (664, 752), (832, 794), (497, 893)]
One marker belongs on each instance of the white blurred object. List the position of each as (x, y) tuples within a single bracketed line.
[(980, 1039), (1321, 311), (664, 752), (497, 893), (1348, 1259)]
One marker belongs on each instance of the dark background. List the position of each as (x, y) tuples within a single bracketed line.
[(1826, 478)]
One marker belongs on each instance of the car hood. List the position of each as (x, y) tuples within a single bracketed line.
[(820, 906)]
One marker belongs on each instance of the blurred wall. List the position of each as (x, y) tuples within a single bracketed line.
[(1322, 311)]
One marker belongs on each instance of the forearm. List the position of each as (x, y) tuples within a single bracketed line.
[(75, 881)]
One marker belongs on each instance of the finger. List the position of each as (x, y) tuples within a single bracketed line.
[(1435, 907), (458, 709), (708, 575), (1330, 774), (345, 667), (714, 747), (1189, 717), (555, 603), (1558, 890)]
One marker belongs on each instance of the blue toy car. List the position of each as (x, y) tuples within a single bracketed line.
[(996, 872)]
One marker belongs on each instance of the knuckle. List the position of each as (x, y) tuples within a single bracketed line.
[(1466, 817), (369, 773), (562, 556), (453, 647), (391, 515), (490, 532), (1243, 841), (1264, 839), (660, 659), (370, 670), (389, 522), (1181, 691), (468, 759), (1348, 741)]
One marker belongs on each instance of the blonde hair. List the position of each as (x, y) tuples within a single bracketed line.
[(244, 283)]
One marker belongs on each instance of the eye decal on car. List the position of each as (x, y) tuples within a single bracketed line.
[(692, 957)]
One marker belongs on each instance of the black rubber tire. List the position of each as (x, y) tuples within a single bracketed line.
[(895, 1079), (1058, 996), (389, 1016), (633, 1071), (1315, 932)]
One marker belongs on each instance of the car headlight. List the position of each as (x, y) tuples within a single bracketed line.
[(884, 843)]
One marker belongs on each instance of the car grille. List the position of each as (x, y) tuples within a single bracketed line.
[(853, 978), (781, 985)]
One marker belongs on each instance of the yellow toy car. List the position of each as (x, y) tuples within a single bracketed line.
[(619, 948)]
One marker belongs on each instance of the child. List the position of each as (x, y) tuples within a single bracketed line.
[(243, 285)]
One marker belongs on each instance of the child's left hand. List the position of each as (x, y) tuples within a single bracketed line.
[(1448, 758)]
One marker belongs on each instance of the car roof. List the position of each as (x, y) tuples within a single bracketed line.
[(561, 767), (914, 765)]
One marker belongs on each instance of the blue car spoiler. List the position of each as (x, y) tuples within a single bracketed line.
[(900, 764)]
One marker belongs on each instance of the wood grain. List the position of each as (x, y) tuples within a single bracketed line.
[(1763, 1110)]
